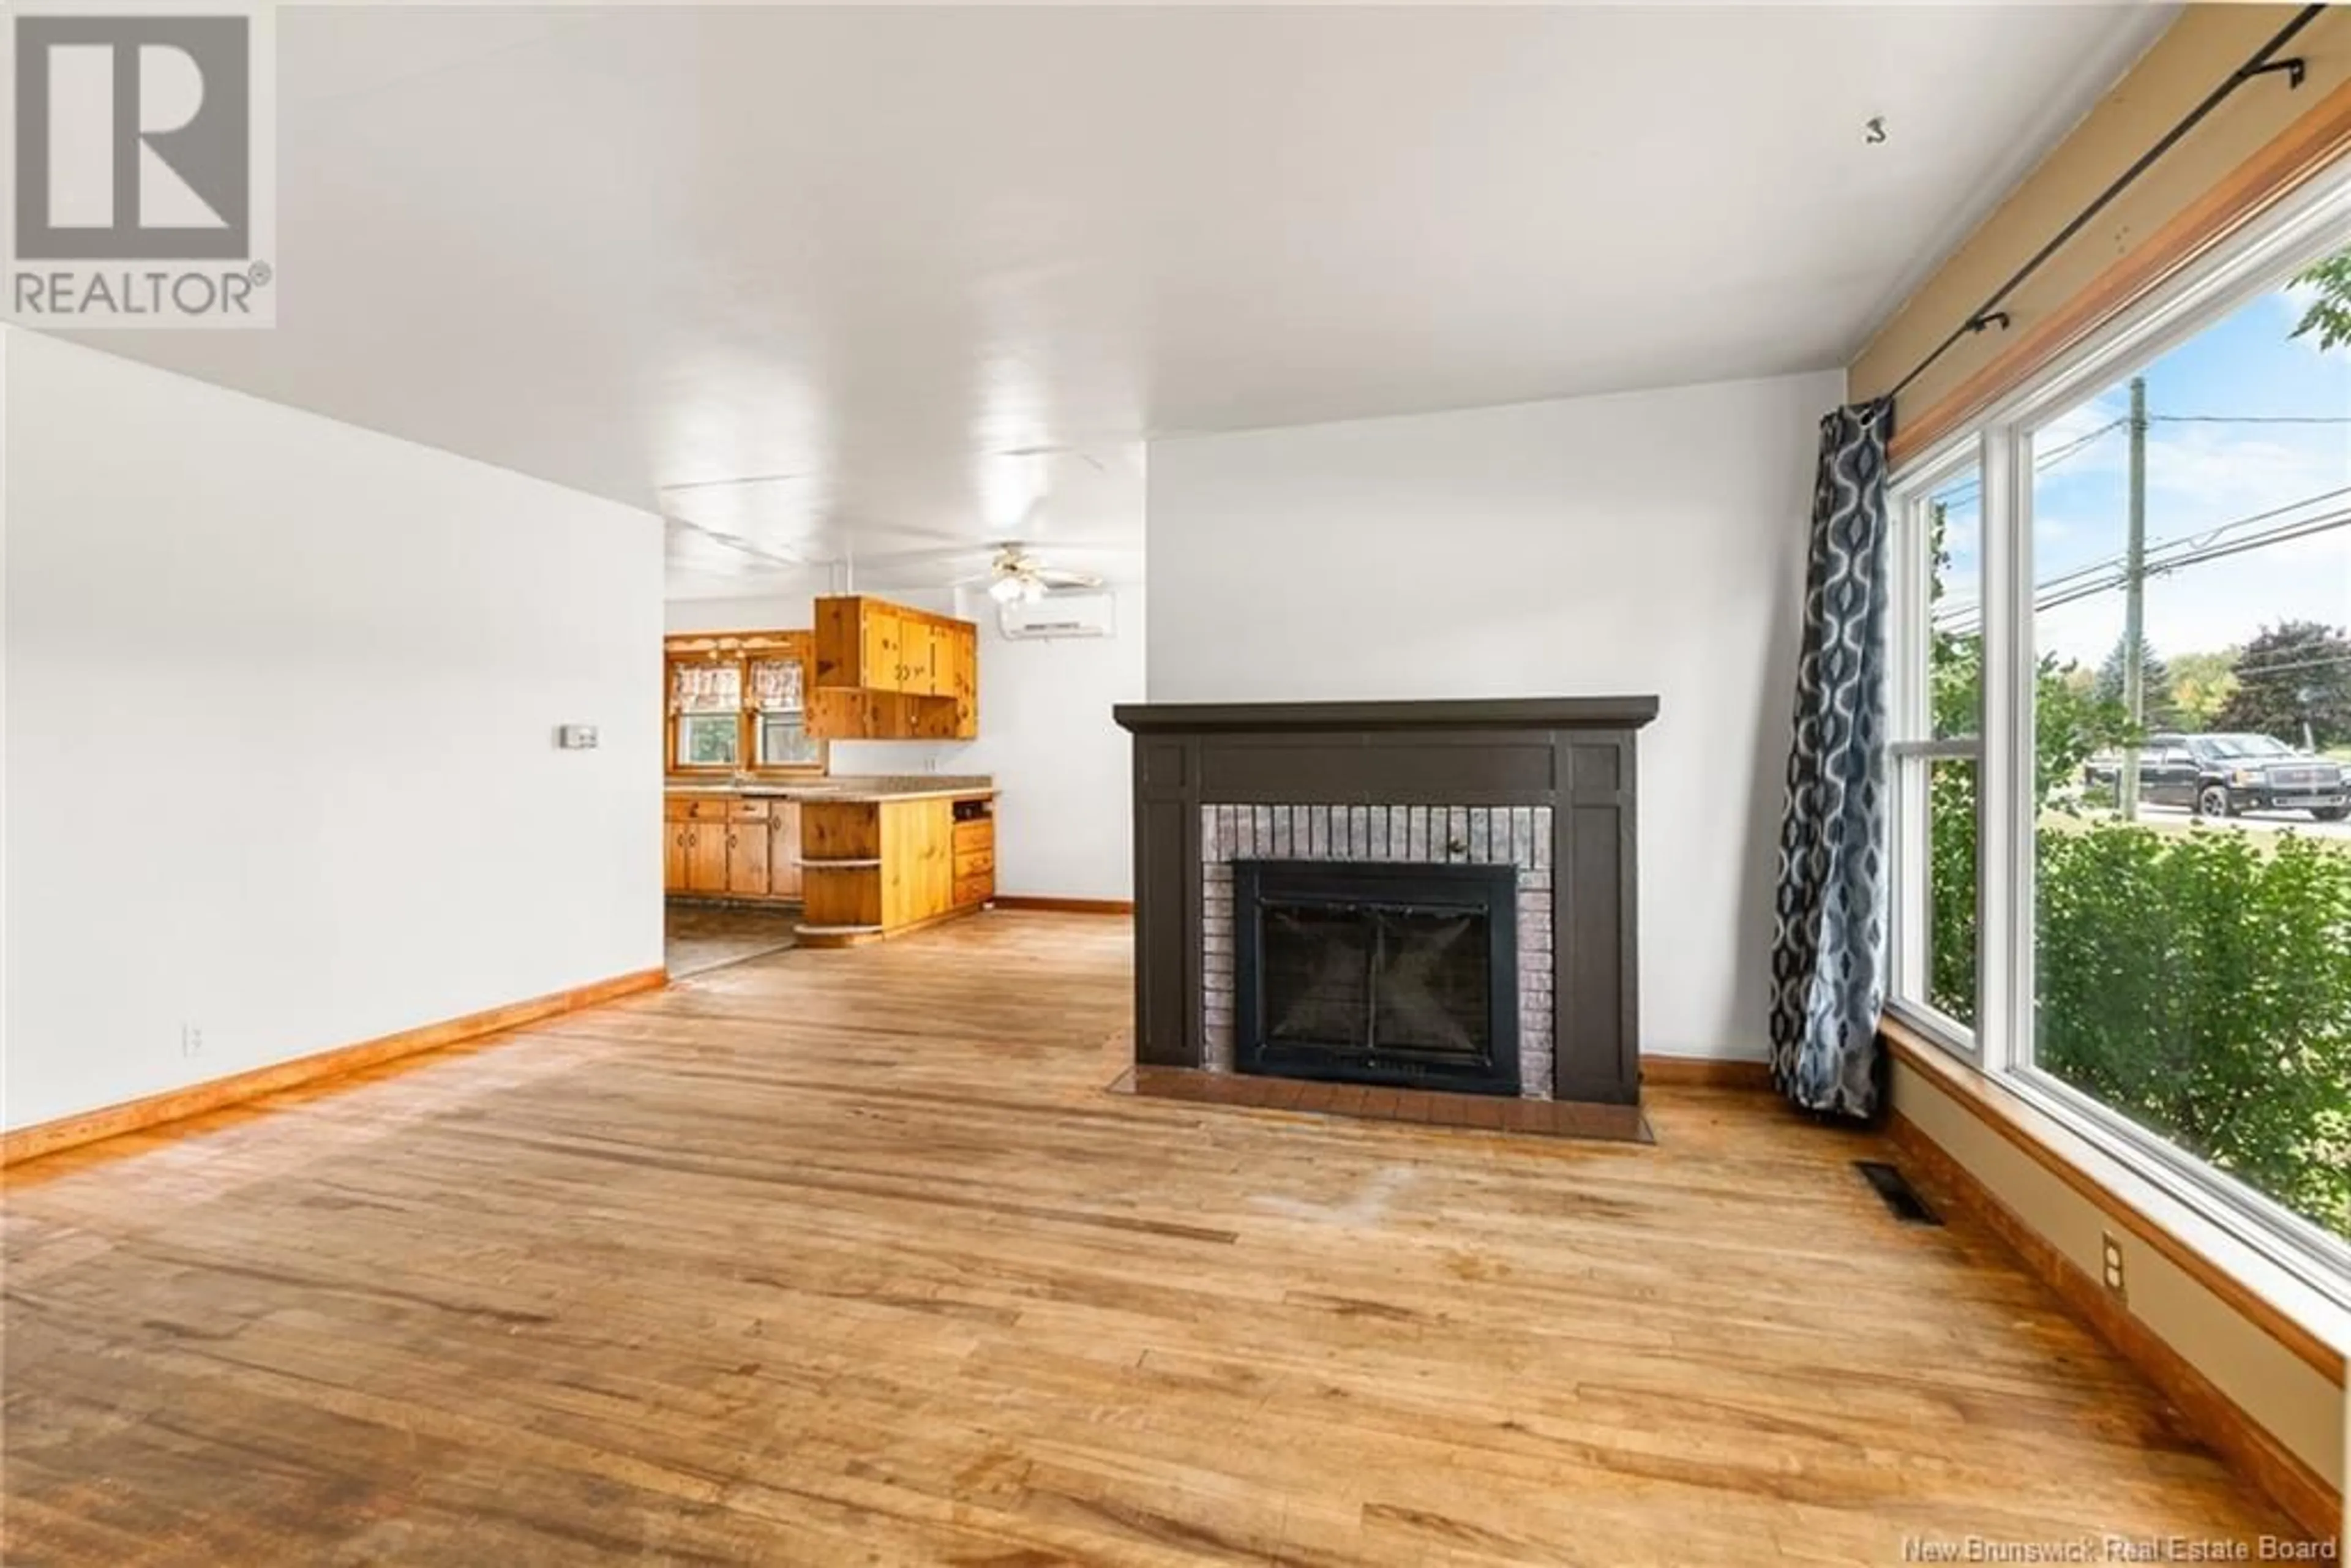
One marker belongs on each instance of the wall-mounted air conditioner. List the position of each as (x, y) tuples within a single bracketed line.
[(1066, 613)]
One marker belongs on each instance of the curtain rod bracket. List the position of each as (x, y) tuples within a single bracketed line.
[(2296, 68), (1988, 320)]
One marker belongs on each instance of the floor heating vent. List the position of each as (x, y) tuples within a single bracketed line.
[(1899, 1194)]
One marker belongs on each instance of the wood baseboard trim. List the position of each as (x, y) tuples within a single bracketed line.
[(1067, 905), (2244, 1443), (1705, 1073), (179, 1104)]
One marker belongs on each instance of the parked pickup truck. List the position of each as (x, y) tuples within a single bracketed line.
[(2221, 775)]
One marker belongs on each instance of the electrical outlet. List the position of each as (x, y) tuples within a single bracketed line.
[(2112, 1252), (191, 1040)]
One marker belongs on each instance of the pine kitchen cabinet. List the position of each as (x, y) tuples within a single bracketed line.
[(882, 866), (722, 845), (890, 671)]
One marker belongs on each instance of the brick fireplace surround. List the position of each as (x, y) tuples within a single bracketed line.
[(1544, 785)]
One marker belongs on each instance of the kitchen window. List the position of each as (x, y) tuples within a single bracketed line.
[(707, 740), (2121, 758), (739, 703), (707, 698), (779, 699)]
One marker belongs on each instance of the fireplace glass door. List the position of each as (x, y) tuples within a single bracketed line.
[(1384, 973)]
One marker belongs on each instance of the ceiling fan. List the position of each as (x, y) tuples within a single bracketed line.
[(1014, 574)]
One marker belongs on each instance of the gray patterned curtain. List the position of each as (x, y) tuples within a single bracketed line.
[(1828, 951)]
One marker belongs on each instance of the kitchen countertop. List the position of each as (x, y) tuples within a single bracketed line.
[(852, 789)]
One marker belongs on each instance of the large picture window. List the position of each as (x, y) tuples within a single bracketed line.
[(2150, 554)]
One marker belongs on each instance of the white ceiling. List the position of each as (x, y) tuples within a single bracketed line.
[(912, 269)]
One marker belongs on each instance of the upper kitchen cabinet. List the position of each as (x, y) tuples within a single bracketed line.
[(890, 671)]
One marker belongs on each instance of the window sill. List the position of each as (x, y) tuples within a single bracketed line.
[(1925, 1028), (2295, 1313)]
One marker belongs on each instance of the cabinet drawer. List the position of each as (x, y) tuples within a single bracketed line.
[(749, 810), (969, 890), (974, 862), (978, 834), (707, 808), (674, 809)]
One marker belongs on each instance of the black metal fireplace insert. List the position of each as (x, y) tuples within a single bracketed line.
[(1395, 973)]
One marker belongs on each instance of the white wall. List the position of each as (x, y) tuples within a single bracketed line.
[(1064, 821), (1063, 809), (281, 695), (1651, 542)]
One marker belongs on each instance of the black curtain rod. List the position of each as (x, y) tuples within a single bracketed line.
[(2264, 62)]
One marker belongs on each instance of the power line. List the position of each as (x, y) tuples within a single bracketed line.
[(2041, 462), (2057, 454), (2218, 529), (2201, 534), (2080, 584), (2276, 536), (2279, 535), (1967, 620), (2249, 418), (2326, 664), (1961, 617), (2091, 589)]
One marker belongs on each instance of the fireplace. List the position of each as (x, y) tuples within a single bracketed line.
[(1424, 905), (1395, 972)]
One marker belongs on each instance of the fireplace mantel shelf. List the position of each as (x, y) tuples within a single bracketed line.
[(1618, 712)]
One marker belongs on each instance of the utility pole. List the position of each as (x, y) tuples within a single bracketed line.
[(2134, 603)]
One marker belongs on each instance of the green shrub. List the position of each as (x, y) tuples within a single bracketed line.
[(2198, 983), (1952, 942)]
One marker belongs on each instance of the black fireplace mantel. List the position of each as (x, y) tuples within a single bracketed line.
[(1574, 755), (1369, 718)]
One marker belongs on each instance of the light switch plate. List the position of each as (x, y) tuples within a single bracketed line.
[(575, 736)]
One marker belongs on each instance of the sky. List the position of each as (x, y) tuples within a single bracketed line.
[(2224, 443)]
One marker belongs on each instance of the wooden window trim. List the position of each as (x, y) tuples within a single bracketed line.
[(2198, 1249), (740, 648), (2304, 153)]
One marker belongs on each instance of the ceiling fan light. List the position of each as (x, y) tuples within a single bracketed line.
[(1004, 589)]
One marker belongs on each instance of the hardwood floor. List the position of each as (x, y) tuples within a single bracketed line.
[(845, 1257)]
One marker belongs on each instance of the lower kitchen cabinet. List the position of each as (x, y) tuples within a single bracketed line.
[(732, 847), (747, 858), (974, 842), (706, 857), (875, 868)]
